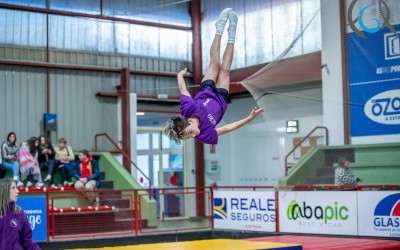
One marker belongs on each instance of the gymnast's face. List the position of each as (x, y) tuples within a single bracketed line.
[(192, 130)]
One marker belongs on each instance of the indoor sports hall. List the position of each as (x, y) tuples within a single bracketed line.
[(200, 124)]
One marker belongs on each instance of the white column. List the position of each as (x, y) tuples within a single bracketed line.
[(332, 93)]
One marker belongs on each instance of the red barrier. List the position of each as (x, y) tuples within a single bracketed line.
[(125, 217)]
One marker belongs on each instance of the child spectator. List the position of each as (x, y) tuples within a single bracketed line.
[(29, 166)]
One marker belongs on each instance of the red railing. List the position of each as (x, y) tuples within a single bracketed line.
[(127, 157), (305, 138), (134, 213), (65, 222), (182, 192)]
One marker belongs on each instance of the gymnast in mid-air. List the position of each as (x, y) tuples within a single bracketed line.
[(200, 115)]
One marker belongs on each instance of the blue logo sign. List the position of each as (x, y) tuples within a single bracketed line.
[(384, 107), (220, 210), (35, 209), (388, 206), (387, 214), (384, 12), (392, 46)]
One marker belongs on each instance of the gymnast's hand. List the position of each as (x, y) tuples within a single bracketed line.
[(182, 72), (255, 112)]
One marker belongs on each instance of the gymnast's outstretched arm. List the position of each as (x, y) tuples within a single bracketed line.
[(181, 83), (238, 124)]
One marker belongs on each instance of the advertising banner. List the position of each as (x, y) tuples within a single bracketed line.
[(319, 212), (373, 47), (245, 210), (379, 213), (35, 209)]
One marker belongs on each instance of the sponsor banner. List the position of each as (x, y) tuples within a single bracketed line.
[(245, 210), (377, 111), (35, 209), (319, 212), (379, 213), (374, 70)]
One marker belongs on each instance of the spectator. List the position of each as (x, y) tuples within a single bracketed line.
[(46, 158), (64, 156), (87, 175), (29, 166), (15, 230), (344, 176), (2, 170), (9, 153)]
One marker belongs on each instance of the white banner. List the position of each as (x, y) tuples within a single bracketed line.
[(319, 212), (379, 213), (245, 210)]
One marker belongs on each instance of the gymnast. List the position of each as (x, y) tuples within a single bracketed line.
[(200, 115)]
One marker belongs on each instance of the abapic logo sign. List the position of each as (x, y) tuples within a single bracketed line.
[(326, 213)]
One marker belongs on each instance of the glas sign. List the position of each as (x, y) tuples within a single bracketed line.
[(292, 126)]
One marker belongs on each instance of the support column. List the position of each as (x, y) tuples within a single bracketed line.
[(332, 75), (124, 91), (195, 10)]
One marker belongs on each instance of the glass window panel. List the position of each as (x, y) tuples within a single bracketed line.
[(165, 162), (177, 161), (22, 28), (311, 15), (17, 28), (258, 21), (30, 3), (155, 140), (286, 23), (143, 164), (82, 6), (156, 169), (174, 44), (142, 141), (166, 11), (38, 30), (10, 27), (3, 25), (106, 36), (122, 33), (144, 40)]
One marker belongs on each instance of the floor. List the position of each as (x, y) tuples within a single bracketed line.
[(283, 242), (215, 244)]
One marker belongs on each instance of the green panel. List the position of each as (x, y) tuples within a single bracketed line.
[(377, 154), (304, 168), (123, 180), (374, 163)]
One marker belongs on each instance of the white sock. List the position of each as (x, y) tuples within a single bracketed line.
[(233, 19), (222, 20)]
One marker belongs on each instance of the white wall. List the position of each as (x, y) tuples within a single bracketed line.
[(332, 75), (254, 154)]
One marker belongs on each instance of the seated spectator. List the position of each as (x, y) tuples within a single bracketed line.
[(9, 154), (64, 156), (46, 158), (29, 166), (344, 175), (2, 170), (87, 175)]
